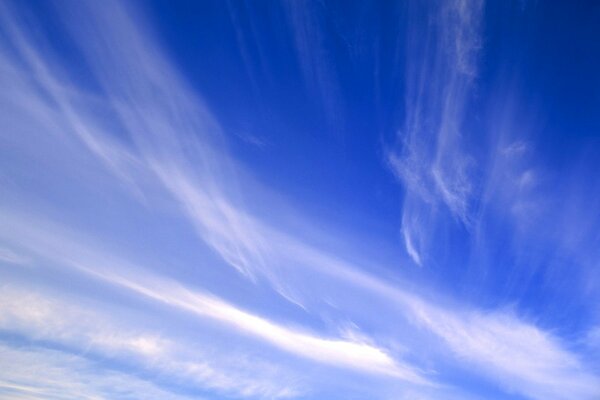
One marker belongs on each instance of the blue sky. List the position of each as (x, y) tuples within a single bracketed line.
[(303, 200)]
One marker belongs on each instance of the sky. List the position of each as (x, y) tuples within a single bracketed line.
[(300, 200)]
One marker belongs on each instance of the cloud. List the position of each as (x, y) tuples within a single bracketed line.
[(158, 127), (53, 242), (311, 48), (410, 248), (430, 158), (169, 133), (94, 330), (146, 127), (522, 357), (518, 355), (344, 353), (54, 375)]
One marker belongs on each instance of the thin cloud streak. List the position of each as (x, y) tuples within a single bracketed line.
[(522, 357), (490, 342), (173, 143), (51, 374), (430, 160), (103, 332), (171, 131), (337, 352)]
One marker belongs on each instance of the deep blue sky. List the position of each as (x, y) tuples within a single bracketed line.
[(300, 199)]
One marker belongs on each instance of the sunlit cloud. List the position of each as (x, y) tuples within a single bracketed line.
[(145, 254)]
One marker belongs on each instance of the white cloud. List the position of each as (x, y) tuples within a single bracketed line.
[(177, 145), (98, 330), (58, 247), (28, 373), (174, 136), (522, 357), (410, 247), (171, 132), (517, 355), (431, 160)]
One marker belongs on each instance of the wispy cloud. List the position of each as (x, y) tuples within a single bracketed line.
[(524, 358), (101, 330), (490, 342), (173, 134), (313, 56), (51, 374), (139, 126), (430, 159)]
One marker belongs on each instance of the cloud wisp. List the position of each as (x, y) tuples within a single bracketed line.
[(431, 160), (105, 332), (141, 281), (122, 140)]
